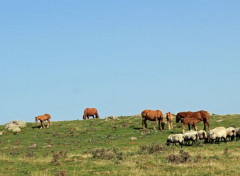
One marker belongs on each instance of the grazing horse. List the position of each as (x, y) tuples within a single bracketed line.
[(43, 118), (169, 118), (192, 118), (90, 112), (156, 116)]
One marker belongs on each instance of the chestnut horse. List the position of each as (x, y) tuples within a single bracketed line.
[(43, 118), (156, 116), (192, 118), (169, 118), (90, 112)]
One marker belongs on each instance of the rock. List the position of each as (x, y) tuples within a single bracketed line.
[(137, 116), (15, 125), (16, 129), (32, 146), (1, 133), (133, 138), (111, 118)]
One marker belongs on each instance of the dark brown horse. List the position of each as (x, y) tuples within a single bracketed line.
[(43, 118), (193, 118), (156, 116), (90, 112)]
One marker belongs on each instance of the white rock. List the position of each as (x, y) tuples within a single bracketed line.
[(133, 138), (111, 118)]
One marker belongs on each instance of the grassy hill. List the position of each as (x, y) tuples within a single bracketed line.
[(99, 147)]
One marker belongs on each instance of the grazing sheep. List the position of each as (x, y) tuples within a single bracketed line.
[(237, 133), (190, 136), (216, 134), (202, 134), (231, 133), (175, 138)]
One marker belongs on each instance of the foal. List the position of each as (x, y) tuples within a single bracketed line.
[(169, 120), (43, 118)]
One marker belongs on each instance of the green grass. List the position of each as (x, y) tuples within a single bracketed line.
[(70, 147)]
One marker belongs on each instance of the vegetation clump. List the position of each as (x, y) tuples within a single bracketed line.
[(152, 148), (182, 157), (107, 154)]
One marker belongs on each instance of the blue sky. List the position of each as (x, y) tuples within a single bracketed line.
[(122, 57)]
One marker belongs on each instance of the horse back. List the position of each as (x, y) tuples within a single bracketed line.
[(90, 111)]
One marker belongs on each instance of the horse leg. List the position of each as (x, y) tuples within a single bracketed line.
[(159, 124), (189, 128), (143, 123), (204, 123), (154, 126), (183, 128), (169, 126), (41, 124), (208, 125), (48, 123), (195, 126)]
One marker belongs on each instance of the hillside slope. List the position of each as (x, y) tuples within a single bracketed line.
[(114, 147)]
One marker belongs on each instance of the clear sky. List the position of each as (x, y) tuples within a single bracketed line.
[(61, 56)]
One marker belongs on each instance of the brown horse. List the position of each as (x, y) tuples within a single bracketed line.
[(90, 112), (156, 116), (43, 118), (169, 118), (193, 118)]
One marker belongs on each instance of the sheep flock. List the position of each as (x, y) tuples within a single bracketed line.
[(215, 135)]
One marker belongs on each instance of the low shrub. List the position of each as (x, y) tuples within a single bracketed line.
[(152, 148)]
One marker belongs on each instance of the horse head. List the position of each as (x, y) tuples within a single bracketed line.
[(36, 119), (168, 115), (178, 117)]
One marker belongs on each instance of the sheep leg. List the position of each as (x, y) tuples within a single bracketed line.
[(180, 143)]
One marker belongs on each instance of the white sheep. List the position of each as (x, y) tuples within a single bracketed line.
[(237, 133), (231, 133), (190, 136), (175, 138), (216, 134), (202, 134)]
